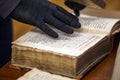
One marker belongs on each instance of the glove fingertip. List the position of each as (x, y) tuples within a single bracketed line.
[(51, 33), (75, 24), (55, 35), (48, 31), (77, 13)]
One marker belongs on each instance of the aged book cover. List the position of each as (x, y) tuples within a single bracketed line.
[(91, 3), (69, 55)]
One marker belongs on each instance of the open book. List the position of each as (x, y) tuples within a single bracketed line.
[(70, 55)]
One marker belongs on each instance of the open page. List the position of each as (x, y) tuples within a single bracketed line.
[(36, 74), (67, 44), (97, 24)]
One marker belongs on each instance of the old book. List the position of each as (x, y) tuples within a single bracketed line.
[(69, 55), (92, 3)]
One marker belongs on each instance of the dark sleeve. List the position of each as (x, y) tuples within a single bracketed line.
[(7, 6)]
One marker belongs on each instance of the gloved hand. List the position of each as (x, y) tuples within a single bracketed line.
[(40, 12), (75, 6)]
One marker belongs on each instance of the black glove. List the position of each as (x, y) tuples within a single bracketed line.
[(40, 12), (75, 6)]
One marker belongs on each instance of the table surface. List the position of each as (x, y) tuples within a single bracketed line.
[(102, 71)]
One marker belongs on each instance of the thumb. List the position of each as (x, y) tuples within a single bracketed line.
[(75, 6)]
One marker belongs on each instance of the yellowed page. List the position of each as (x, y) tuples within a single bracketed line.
[(94, 24), (36, 74), (67, 44)]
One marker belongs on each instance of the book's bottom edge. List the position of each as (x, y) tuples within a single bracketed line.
[(79, 74)]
